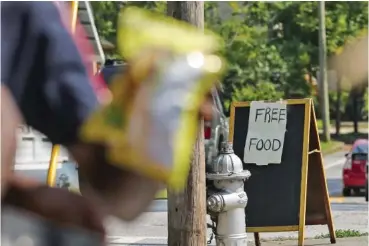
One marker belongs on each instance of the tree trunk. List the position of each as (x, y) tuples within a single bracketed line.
[(191, 12), (356, 95), (355, 109), (187, 211), (338, 106)]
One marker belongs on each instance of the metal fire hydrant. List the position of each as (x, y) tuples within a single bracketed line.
[(226, 198)]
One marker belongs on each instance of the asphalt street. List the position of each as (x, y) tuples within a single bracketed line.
[(151, 227)]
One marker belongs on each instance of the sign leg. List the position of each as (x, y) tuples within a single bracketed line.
[(327, 205), (257, 239), (332, 232), (304, 174), (324, 186), (301, 237)]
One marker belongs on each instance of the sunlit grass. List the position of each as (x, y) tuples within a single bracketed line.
[(344, 233)]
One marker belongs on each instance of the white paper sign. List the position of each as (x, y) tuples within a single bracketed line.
[(265, 137)]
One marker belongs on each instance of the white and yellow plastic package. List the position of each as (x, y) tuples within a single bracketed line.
[(151, 123)]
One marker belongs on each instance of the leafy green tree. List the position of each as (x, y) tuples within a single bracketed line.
[(297, 37), (106, 16), (271, 47), (255, 67)]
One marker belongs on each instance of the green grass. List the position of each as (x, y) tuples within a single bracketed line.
[(331, 146), (339, 234), (344, 124), (343, 234), (319, 122)]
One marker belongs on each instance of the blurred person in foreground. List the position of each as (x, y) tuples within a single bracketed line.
[(44, 84)]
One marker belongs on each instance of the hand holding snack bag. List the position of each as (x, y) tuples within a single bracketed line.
[(151, 123)]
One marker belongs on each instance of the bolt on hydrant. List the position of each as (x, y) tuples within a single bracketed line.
[(226, 198)]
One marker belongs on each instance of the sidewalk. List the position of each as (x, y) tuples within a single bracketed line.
[(357, 241)]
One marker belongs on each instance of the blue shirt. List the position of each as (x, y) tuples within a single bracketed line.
[(43, 69)]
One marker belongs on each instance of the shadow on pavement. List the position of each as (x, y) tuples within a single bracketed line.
[(334, 187), (349, 138), (350, 206)]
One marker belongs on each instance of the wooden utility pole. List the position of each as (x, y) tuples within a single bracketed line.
[(187, 211), (323, 73)]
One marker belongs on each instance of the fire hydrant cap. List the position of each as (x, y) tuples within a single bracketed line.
[(228, 164)]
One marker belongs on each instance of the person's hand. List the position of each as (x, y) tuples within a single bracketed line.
[(57, 205)]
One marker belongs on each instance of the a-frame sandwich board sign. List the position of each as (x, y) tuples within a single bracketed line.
[(294, 193)]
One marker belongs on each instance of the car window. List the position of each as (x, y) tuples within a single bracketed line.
[(360, 149)]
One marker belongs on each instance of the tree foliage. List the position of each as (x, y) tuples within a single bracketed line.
[(106, 16), (270, 46)]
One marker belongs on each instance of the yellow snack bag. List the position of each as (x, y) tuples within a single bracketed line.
[(150, 126)]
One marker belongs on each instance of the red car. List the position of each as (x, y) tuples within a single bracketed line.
[(355, 168)]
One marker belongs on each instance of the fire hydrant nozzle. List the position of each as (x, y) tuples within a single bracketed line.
[(223, 202)]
